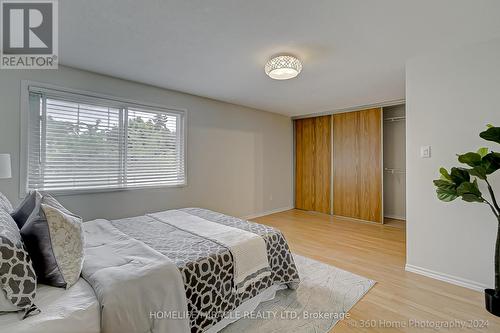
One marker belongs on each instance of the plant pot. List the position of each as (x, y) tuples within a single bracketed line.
[(492, 302)]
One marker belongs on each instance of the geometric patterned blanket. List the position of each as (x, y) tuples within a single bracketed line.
[(207, 267)]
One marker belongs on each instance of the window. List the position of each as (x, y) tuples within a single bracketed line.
[(78, 142)]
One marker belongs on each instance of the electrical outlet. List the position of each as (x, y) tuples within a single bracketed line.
[(425, 151)]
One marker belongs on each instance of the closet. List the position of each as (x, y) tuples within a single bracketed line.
[(395, 163), (351, 164), (357, 165), (313, 164)]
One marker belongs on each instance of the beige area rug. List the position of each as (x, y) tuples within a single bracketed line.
[(325, 295)]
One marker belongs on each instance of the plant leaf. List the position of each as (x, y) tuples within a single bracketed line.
[(459, 176), (491, 134), (443, 183), (479, 171), (446, 196), (471, 198), (471, 159), (471, 188), (491, 162), (470, 192), (446, 190), (482, 151), (444, 174)]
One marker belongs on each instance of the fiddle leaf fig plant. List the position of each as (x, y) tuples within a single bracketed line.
[(462, 182)]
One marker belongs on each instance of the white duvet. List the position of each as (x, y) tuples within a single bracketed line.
[(137, 287)]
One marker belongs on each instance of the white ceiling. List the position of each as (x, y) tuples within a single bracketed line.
[(353, 51)]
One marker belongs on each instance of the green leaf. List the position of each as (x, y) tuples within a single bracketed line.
[(447, 193), (491, 134), (444, 174), (471, 188), (491, 162), (482, 151), (446, 190), (471, 198), (443, 183), (471, 159), (470, 192), (479, 171), (446, 196), (459, 175)]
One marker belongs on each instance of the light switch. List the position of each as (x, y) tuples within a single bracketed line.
[(425, 151)]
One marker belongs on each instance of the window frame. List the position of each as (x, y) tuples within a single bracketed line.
[(28, 86)]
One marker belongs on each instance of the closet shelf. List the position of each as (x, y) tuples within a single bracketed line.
[(393, 171)]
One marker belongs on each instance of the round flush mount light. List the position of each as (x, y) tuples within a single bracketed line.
[(283, 67)]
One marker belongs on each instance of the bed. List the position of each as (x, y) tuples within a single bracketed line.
[(206, 268)]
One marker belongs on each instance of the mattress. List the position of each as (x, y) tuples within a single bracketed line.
[(74, 310)]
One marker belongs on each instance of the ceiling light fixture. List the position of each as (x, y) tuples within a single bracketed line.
[(283, 67)]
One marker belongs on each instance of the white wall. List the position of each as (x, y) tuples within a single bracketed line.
[(239, 159), (450, 95)]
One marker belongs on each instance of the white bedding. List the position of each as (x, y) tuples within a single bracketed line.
[(77, 311), (74, 310), (132, 282)]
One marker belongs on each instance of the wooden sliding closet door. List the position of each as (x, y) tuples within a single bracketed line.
[(313, 164), (357, 165)]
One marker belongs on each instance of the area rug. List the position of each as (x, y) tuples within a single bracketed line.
[(325, 295)]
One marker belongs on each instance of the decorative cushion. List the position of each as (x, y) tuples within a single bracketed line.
[(25, 208), (66, 232), (17, 276), (5, 203), (54, 239)]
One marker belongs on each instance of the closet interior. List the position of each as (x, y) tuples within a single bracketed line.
[(352, 164), (394, 163)]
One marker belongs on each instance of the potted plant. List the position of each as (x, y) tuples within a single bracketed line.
[(462, 182)]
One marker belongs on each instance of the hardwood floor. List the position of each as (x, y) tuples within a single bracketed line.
[(396, 223), (400, 299)]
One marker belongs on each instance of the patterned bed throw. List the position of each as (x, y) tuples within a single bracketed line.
[(207, 267), (247, 249)]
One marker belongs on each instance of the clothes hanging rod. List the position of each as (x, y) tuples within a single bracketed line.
[(393, 171), (391, 119)]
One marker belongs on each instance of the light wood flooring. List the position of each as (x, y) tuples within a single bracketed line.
[(400, 300), (396, 223)]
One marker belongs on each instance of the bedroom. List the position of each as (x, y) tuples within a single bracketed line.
[(152, 131)]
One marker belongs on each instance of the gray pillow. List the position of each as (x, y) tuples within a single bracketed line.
[(18, 279), (54, 238), (5, 203), (25, 208)]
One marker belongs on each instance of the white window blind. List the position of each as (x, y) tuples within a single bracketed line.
[(81, 143)]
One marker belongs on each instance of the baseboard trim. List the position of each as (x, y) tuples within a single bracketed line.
[(395, 217), (268, 212), (353, 219), (446, 278)]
